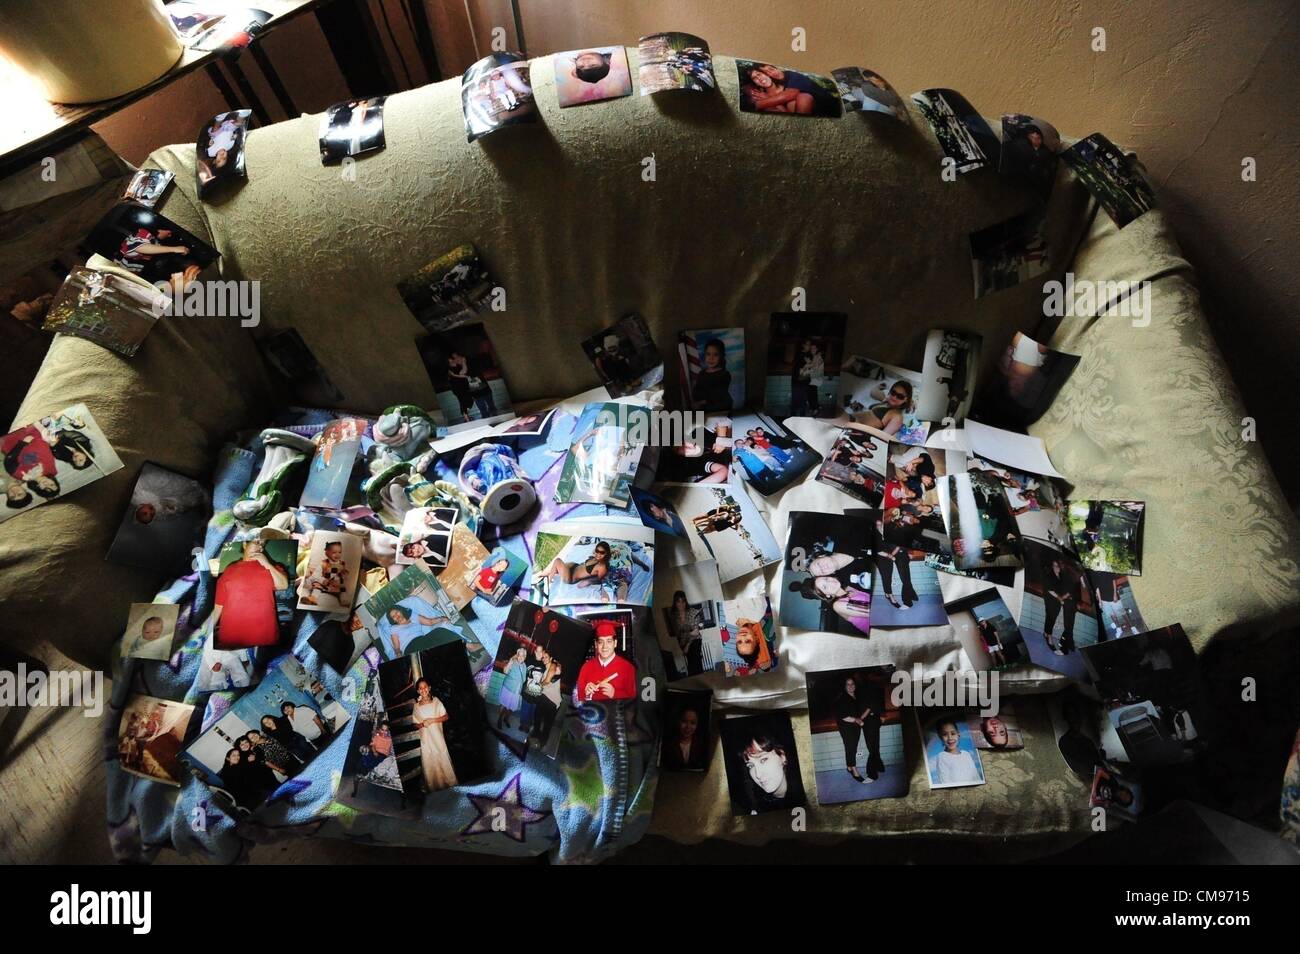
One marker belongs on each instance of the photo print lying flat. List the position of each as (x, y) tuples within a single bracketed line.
[(498, 576), (223, 670), (868, 92), (687, 730), (1118, 795), (1076, 722), (163, 522), (688, 619), (1021, 451), (712, 366), (705, 456), (601, 462), (591, 75), (52, 457), (1113, 177), (764, 454), (826, 578), (657, 513), (414, 612), (748, 636), (1036, 505), (912, 509), (330, 471), (255, 592), (435, 714), (722, 524), (1116, 607), (906, 588), (267, 736), (963, 134), (426, 536), (1058, 614), (762, 763), (856, 465), (952, 759), (150, 629), (672, 61), (609, 669), (1030, 150), (1004, 255), (147, 186), (979, 522), (948, 377), (883, 399), (220, 151), (467, 554), (593, 562), (996, 733), (340, 642), (765, 88), (333, 569), (371, 780), (803, 364), (150, 245), (451, 290), (466, 375), (1150, 688), (110, 309), (857, 735), (1107, 534), (625, 356), (496, 92), (987, 631), (150, 738), (351, 128)]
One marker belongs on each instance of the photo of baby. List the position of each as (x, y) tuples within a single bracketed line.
[(591, 75), (333, 568), (150, 629)]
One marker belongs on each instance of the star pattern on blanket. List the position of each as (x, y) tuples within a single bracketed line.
[(586, 786), (508, 807)]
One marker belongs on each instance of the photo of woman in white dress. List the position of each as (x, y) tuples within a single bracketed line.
[(429, 714)]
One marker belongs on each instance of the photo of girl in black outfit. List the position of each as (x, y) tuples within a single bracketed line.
[(857, 735)]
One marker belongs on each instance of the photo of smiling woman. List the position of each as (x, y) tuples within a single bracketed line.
[(762, 763)]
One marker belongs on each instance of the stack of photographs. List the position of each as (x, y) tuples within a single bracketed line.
[(857, 735)]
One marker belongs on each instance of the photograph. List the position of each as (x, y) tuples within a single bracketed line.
[(979, 522), (1036, 504), (856, 465), (625, 356), (765, 88), (1117, 795), (671, 61), (1076, 722), (765, 455), (147, 186), (255, 587), (535, 674), (220, 155), (1150, 688), (451, 290), (289, 357), (591, 75), (1107, 534), (436, 718), (826, 577), (529, 425), (987, 631), (1011, 252), (688, 619), (224, 670), (498, 577), (868, 92), (150, 738), (1029, 375), (340, 642), (704, 457), (330, 472), (712, 365), (687, 730), (150, 629), (748, 636), (996, 733), (577, 562), (266, 737), (883, 399), (230, 30), (762, 763), (601, 462), (609, 671), (803, 364), (163, 523), (1030, 149), (722, 524), (963, 134), (150, 246), (1113, 177), (351, 128), (657, 513), (951, 758), (857, 735), (108, 308), (371, 780), (946, 386), (467, 555), (333, 569), (1058, 612), (413, 612), (496, 92), (51, 458), (919, 601), (466, 375), (912, 506), (1116, 607), (426, 536)]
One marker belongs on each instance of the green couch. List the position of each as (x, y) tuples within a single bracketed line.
[(742, 210)]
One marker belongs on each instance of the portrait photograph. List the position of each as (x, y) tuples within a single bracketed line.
[(592, 75), (765, 88), (804, 353), (687, 730), (762, 763), (857, 735), (952, 759)]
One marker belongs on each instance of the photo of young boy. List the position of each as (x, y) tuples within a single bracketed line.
[(854, 723), (495, 92), (150, 629), (333, 569), (712, 363), (497, 577), (1030, 150), (762, 763), (351, 128), (149, 245), (1113, 177), (671, 61), (466, 375), (996, 733), (220, 147), (765, 88), (150, 737), (688, 742), (963, 134), (253, 578), (163, 522), (856, 465), (1011, 252), (53, 457), (826, 579), (625, 356), (803, 364), (451, 290), (591, 75), (688, 620), (868, 92), (767, 456), (883, 399), (609, 671), (426, 536), (1107, 534), (951, 758)]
